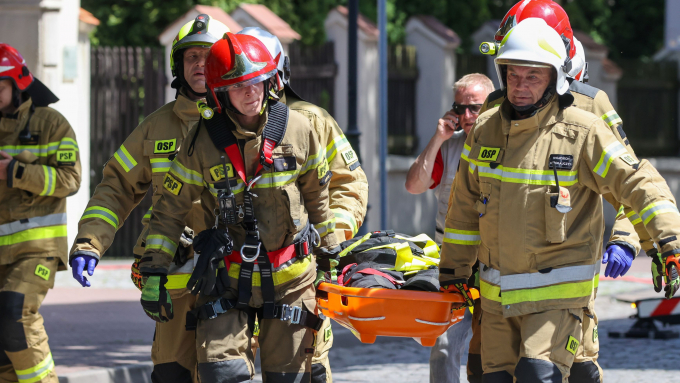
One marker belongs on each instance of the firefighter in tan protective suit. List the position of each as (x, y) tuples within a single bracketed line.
[(348, 187), (528, 206), (259, 167), (39, 168), (139, 164), (628, 235)]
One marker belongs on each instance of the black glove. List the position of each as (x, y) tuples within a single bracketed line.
[(222, 282), (212, 245), (155, 298)]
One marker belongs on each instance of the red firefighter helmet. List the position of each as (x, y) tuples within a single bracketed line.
[(237, 61), (548, 10), (13, 66)]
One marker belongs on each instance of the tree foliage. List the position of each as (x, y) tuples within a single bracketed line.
[(630, 28)]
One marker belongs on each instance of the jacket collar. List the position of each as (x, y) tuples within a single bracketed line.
[(545, 116), (243, 134), (186, 109)]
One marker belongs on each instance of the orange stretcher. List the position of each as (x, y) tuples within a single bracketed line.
[(369, 313)]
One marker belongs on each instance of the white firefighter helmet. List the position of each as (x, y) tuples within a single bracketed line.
[(533, 43), (274, 47), (578, 63)]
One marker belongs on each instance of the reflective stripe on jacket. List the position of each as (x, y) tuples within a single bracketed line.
[(139, 163), (501, 212), (286, 198), (348, 187), (44, 172)]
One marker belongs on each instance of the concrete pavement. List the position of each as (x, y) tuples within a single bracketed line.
[(100, 334)]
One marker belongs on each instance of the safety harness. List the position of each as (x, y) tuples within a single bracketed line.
[(220, 129)]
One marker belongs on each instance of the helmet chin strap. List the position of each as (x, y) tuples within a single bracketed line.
[(527, 110)]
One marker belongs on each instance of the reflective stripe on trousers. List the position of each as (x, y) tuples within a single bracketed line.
[(563, 283), (45, 227)]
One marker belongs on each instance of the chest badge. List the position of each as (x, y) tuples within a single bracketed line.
[(488, 154)]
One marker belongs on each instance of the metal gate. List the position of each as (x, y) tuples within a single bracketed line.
[(127, 84), (648, 104), (312, 73)]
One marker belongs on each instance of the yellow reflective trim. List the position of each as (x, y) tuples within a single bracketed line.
[(489, 291), (345, 218), (280, 277), (633, 217), (562, 291), (34, 234), (546, 47), (101, 213), (37, 372), (177, 281), (53, 180), (325, 227), (189, 176)]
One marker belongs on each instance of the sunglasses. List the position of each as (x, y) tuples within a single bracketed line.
[(460, 109)]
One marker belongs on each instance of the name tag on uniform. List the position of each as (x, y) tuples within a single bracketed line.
[(630, 160), (172, 185), (561, 161), (217, 172), (164, 146), (488, 154)]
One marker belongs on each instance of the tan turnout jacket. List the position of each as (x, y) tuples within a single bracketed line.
[(286, 199), (138, 165), (628, 228), (43, 173), (532, 257), (348, 188)]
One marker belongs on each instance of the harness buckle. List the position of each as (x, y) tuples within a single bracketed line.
[(244, 257), (291, 313)]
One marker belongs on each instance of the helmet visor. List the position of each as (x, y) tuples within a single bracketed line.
[(505, 27), (248, 82), (533, 64)]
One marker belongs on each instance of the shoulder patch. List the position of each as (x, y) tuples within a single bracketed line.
[(65, 157), (172, 185), (584, 89)]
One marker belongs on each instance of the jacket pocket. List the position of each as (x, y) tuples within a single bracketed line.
[(295, 203), (555, 222), (484, 255)]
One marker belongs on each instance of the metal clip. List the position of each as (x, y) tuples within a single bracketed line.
[(253, 258), (241, 213), (252, 182), (215, 313), (291, 313)]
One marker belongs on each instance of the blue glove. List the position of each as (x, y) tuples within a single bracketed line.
[(78, 267), (618, 260)]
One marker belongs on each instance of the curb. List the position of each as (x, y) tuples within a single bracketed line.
[(132, 373)]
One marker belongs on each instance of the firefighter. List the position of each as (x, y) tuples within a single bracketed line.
[(259, 167), (39, 168), (139, 164), (529, 208), (348, 187), (625, 240)]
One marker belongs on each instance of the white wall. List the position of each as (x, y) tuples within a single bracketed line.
[(336, 31), (43, 31)]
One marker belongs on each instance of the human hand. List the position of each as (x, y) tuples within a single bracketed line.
[(447, 125), (618, 260)]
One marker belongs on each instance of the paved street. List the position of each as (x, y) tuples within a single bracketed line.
[(104, 327)]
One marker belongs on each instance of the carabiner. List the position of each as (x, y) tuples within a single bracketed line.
[(252, 182), (253, 258)]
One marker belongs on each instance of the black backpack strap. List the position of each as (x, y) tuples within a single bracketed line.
[(220, 129), (274, 131)]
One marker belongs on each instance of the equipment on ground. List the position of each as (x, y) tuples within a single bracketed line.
[(650, 307)]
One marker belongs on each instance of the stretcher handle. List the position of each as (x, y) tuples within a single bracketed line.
[(409, 295)]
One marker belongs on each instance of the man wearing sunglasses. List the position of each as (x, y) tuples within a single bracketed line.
[(435, 169)]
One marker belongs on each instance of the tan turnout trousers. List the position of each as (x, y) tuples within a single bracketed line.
[(23, 286)]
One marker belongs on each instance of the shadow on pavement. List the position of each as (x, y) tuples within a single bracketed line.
[(99, 334)]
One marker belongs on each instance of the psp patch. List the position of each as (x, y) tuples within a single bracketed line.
[(172, 185), (65, 157), (572, 345), (217, 172), (43, 272), (322, 169), (488, 154), (164, 146), (327, 334)]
